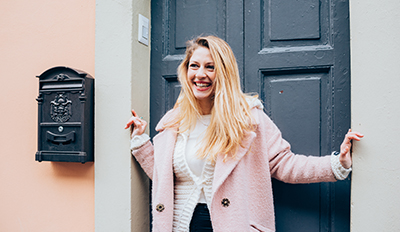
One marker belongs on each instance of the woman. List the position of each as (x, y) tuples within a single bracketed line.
[(216, 151)]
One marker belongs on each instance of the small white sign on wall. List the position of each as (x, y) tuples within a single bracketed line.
[(143, 35)]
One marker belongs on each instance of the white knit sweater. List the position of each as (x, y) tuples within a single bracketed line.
[(192, 185)]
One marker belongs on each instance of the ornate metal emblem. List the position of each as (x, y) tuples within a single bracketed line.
[(61, 77), (60, 109)]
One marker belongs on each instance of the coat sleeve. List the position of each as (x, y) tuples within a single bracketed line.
[(145, 156), (145, 153), (289, 167)]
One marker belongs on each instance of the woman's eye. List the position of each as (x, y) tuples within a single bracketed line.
[(211, 67), (193, 66)]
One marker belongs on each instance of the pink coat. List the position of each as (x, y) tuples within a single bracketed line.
[(242, 190)]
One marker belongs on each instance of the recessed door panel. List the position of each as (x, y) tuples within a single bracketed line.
[(289, 20)]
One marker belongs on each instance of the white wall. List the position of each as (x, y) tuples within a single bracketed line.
[(122, 67), (375, 49)]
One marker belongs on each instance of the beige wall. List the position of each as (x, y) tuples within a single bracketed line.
[(122, 83), (34, 36), (375, 49)]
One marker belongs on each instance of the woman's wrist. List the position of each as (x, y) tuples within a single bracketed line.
[(339, 171), (139, 140)]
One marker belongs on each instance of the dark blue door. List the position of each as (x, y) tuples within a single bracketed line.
[(295, 55)]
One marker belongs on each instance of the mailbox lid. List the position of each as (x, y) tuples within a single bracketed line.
[(63, 78), (55, 71)]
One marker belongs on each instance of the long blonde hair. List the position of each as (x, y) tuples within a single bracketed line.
[(230, 114)]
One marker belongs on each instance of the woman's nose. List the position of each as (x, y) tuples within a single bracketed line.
[(201, 72)]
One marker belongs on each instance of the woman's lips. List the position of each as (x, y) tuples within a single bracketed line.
[(202, 86)]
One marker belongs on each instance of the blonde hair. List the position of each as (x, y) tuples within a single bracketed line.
[(230, 114)]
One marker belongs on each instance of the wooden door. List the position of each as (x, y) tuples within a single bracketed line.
[(295, 55)]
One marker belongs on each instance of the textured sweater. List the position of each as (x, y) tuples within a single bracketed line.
[(193, 176)]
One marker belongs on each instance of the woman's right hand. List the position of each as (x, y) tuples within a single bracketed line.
[(137, 125)]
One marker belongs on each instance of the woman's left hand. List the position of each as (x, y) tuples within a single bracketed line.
[(137, 125), (345, 149)]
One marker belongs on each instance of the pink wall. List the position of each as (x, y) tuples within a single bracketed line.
[(34, 36)]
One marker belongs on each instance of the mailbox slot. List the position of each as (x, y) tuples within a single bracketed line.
[(60, 138), (64, 85)]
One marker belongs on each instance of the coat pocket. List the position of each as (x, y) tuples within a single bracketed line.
[(257, 227)]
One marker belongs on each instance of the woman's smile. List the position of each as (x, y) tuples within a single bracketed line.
[(202, 86)]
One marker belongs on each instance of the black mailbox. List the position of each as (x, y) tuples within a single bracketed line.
[(65, 116)]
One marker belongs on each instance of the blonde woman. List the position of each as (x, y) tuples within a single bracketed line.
[(216, 151)]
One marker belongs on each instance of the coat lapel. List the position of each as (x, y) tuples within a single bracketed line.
[(165, 145), (223, 169)]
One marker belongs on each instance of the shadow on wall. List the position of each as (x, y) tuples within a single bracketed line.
[(74, 170)]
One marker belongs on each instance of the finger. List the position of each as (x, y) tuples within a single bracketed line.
[(139, 128), (141, 125), (343, 150), (346, 149), (355, 133), (137, 121), (128, 124), (133, 121), (346, 138), (354, 137), (359, 134), (134, 113)]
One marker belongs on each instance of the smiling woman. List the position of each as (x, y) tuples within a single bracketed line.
[(217, 151), (210, 61)]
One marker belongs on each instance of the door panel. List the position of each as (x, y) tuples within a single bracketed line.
[(211, 21), (295, 55), (290, 20), (294, 60), (296, 100)]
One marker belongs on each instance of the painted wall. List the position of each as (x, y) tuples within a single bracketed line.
[(375, 50), (122, 83), (34, 36)]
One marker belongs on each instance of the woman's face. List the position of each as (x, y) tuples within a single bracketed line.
[(201, 76)]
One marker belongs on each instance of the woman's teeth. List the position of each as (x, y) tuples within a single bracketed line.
[(203, 84)]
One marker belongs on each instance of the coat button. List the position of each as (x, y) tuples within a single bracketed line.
[(160, 208), (225, 202)]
